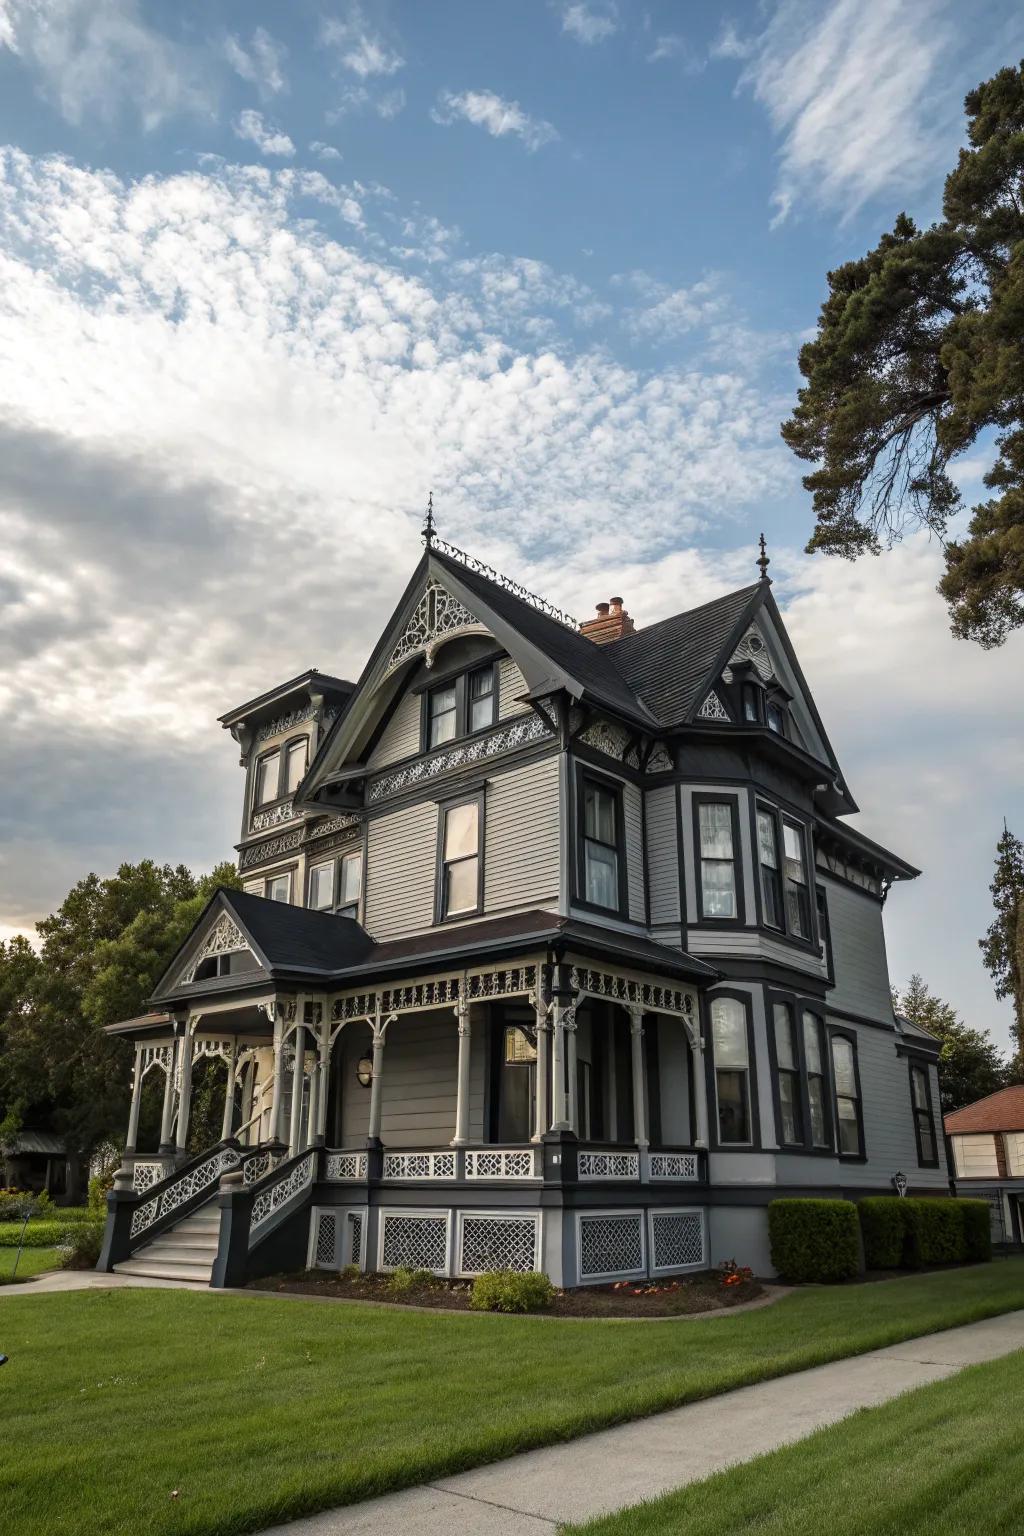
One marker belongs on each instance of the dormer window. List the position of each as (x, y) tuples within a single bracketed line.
[(297, 761), (461, 706), (776, 717), (752, 703)]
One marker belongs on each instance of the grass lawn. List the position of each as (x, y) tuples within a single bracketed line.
[(255, 1409), (939, 1461), (33, 1261)]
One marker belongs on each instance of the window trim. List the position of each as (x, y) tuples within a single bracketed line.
[(460, 683), (280, 874), (922, 1066), (762, 808), (782, 817), (281, 751), (615, 787), (262, 805), (336, 859), (799, 1004), (824, 931), (800, 827), (772, 1001), (706, 797), (835, 1033), (450, 803), (711, 1078)]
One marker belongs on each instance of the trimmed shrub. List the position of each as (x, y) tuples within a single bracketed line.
[(80, 1245), (16, 1203), (934, 1232), (38, 1234), (99, 1186), (508, 1290), (977, 1231), (814, 1240), (882, 1228)]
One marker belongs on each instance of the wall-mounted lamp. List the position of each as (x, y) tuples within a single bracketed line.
[(364, 1071)]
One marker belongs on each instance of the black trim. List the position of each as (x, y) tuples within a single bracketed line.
[(825, 931), (851, 1038), (699, 798), (584, 773), (753, 1104), (460, 683), (799, 1004), (922, 1067), (451, 803)]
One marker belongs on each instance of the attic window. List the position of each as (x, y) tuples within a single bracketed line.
[(776, 718), (225, 965)]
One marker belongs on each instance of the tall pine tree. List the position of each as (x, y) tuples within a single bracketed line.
[(970, 1065), (1003, 944)]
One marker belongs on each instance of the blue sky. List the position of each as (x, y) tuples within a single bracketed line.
[(270, 272)]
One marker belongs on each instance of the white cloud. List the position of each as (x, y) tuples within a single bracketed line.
[(262, 63), (590, 21), (672, 46), (487, 110), (664, 313), (95, 58), (269, 141), (360, 98), (324, 151), (730, 45), (357, 47)]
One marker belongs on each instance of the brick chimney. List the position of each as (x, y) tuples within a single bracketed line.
[(612, 623)]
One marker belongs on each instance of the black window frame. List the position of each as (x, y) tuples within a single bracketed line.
[(763, 808), (711, 1073), (786, 820), (753, 694), (450, 803), (860, 1156), (800, 1003), (919, 1065), (732, 800), (775, 703), (773, 1001), (824, 931), (586, 774), (461, 684)]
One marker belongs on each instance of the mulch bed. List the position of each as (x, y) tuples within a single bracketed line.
[(667, 1298)]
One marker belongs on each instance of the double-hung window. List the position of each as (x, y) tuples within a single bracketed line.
[(268, 771), (732, 1070), (768, 854), (848, 1112), (350, 883), (462, 705), (482, 698), (321, 887), (296, 762), (787, 1059), (717, 859), (443, 715), (814, 1062), (601, 821), (924, 1124), (798, 906), (279, 888), (776, 718), (460, 892)]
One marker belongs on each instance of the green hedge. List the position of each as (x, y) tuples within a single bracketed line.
[(38, 1234), (508, 1290), (910, 1233), (814, 1240)]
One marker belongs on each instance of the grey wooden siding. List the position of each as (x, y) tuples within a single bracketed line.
[(633, 818), (510, 683), (400, 871), (858, 949), (401, 736), (889, 1139), (521, 841), (419, 1083), (662, 855)]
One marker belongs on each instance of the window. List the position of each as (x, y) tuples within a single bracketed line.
[(297, 762), (350, 883), (460, 862), (717, 859), (267, 773), (279, 888), (768, 853), (776, 718), (601, 845), (321, 887), (443, 714), (482, 698), (924, 1124), (844, 1074), (814, 1063), (752, 703), (798, 911), (787, 1059), (732, 1070), (821, 901)]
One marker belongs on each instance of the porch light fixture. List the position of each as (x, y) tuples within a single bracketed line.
[(364, 1071)]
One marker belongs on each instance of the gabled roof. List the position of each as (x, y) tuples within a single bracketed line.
[(1000, 1111)]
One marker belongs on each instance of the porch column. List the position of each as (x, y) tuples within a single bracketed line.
[(132, 1141), (377, 1080), (572, 1075), (462, 1090), (636, 1041), (700, 1085), (167, 1117), (298, 1072), (185, 1084), (542, 1079), (564, 1020), (323, 1066), (229, 1092), (277, 1090)]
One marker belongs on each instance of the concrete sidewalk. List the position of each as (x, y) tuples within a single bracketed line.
[(591, 1476)]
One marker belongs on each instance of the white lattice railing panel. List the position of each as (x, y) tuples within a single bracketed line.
[(145, 1175), (419, 1165), (611, 1246), (325, 1250), (608, 1165), (677, 1240), (345, 1165), (183, 1189), (674, 1165), (498, 1242), (269, 1201), (257, 1167), (414, 1242), (501, 1163), (355, 1246)]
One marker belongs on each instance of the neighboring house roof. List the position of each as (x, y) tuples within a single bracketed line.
[(27, 1143), (1000, 1111), (908, 1027)]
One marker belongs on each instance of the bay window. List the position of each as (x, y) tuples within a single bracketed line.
[(731, 1048), (798, 908), (849, 1127), (768, 854), (787, 1059), (459, 880), (717, 839)]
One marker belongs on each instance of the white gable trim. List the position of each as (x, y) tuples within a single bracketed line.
[(224, 938), (437, 618)]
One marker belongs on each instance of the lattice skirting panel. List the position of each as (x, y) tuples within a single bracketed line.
[(419, 1240), (489, 1240), (610, 1245), (677, 1241), (337, 1237)]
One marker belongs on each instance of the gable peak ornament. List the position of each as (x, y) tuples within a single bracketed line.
[(429, 531), (763, 562)]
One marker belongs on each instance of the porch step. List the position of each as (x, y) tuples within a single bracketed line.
[(165, 1269), (184, 1252)]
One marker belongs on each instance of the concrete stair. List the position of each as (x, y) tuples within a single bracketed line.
[(184, 1252)]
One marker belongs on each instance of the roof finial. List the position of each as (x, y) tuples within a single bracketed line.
[(428, 530), (763, 561)]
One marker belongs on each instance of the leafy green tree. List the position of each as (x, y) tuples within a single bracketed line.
[(919, 350), (970, 1064), (1003, 944)]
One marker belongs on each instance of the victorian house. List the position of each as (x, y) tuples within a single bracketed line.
[(555, 951)]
